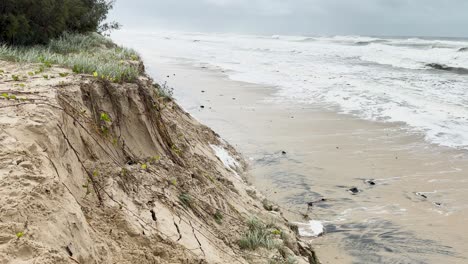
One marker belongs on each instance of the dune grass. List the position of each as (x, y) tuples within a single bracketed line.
[(258, 235), (87, 54)]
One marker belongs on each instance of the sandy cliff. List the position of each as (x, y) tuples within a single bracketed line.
[(97, 172)]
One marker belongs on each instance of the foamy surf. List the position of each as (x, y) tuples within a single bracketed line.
[(311, 229), (420, 82), (229, 162)]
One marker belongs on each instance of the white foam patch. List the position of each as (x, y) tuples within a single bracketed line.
[(312, 229), (228, 161)]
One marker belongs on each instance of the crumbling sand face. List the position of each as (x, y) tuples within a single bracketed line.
[(94, 172)]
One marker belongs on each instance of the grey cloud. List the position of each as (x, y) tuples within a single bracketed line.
[(364, 17)]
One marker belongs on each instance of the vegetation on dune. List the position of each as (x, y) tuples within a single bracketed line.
[(89, 53), (66, 33), (258, 235), (27, 22)]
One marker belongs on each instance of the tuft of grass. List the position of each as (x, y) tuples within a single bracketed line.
[(218, 216), (74, 43), (257, 236), (186, 200), (19, 234), (83, 53), (164, 90)]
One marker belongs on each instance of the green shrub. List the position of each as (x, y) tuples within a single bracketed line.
[(27, 22)]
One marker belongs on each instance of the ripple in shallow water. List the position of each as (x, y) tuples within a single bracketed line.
[(381, 241)]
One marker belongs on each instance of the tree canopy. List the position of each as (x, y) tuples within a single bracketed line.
[(26, 22)]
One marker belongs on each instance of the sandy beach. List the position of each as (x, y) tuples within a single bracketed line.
[(224, 131), (411, 206)]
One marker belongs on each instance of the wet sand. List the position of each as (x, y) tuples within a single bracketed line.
[(414, 212)]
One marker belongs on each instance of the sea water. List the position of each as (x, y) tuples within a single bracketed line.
[(421, 82)]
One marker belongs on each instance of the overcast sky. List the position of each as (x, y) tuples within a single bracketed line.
[(313, 17)]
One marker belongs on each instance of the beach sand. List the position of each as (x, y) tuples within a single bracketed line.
[(413, 210)]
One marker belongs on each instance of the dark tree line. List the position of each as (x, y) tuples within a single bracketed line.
[(25, 22)]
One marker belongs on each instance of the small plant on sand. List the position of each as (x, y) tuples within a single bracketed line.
[(257, 236), (40, 70), (105, 130), (105, 117), (186, 200), (155, 159), (45, 62), (86, 187), (176, 150), (144, 166), (123, 172), (276, 232), (9, 96), (19, 234), (164, 90), (15, 78), (63, 74), (218, 216)]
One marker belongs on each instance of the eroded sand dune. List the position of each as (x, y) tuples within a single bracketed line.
[(94, 172)]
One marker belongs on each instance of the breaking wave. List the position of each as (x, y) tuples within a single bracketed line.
[(380, 79), (442, 67)]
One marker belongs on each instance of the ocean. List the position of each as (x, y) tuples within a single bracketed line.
[(421, 82)]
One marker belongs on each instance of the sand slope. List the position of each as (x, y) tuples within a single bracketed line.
[(93, 172)]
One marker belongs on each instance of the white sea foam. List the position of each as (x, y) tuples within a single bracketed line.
[(311, 229), (228, 161), (382, 79)]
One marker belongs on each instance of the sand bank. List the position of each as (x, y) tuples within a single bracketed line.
[(99, 172)]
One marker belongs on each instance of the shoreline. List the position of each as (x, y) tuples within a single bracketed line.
[(399, 163)]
